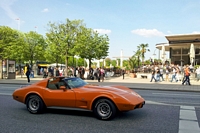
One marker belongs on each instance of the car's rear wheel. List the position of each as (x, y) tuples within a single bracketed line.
[(104, 109), (34, 104)]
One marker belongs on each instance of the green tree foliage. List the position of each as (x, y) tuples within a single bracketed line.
[(143, 48), (90, 45), (126, 64), (114, 63), (9, 40), (17, 49), (135, 59), (34, 48), (62, 37), (140, 53), (108, 62)]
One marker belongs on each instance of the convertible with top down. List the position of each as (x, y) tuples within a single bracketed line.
[(73, 92)]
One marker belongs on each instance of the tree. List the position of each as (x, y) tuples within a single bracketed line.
[(55, 50), (64, 35), (108, 61), (35, 46), (114, 63), (10, 40), (135, 59), (143, 49), (90, 45), (126, 64)]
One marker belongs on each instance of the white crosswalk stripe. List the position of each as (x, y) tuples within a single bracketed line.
[(188, 120)]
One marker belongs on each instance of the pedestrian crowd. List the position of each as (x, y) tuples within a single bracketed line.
[(57, 71), (174, 73), (94, 74)]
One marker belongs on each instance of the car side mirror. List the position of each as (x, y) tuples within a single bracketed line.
[(63, 88)]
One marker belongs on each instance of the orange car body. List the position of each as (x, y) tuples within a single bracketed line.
[(82, 97)]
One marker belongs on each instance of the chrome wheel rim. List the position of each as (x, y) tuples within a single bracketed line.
[(103, 109), (34, 104)]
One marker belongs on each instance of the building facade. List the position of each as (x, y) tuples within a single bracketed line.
[(179, 48)]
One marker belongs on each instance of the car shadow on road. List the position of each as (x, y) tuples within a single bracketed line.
[(74, 112)]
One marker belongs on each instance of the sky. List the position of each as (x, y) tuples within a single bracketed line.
[(128, 23)]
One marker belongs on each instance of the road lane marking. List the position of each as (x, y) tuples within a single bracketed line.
[(188, 120), (171, 104), (7, 94), (176, 94)]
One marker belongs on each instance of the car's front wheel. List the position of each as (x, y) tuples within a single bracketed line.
[(104, 109), (34, 104)]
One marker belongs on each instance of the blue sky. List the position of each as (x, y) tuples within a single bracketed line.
[(128, 23)]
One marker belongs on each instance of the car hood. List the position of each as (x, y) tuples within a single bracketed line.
[(113, 89)]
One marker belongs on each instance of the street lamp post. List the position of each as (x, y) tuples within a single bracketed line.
[(18, 19), (35, 28)]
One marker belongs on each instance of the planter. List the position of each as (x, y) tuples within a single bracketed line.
[(133, 75)]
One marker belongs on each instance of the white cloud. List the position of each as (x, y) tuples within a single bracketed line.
[(45, 10), (103, 31), (196, 32), (148, 33), (6, 6)]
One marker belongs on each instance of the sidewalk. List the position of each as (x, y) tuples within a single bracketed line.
[(134, 83)]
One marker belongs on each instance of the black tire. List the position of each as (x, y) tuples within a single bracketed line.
[(104, 109), (34, 104)]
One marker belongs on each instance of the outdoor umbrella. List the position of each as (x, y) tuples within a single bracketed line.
[(163, 53), (58, 64), (192, 53)]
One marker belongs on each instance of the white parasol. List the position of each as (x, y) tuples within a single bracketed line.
[(163, 53), (58, 64), (192, 53)]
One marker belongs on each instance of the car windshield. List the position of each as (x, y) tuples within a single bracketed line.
[(75, 82)]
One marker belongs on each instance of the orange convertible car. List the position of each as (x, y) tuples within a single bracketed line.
[(74, 92)]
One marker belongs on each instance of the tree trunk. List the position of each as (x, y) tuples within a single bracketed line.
[(66, 64), (90, 63)]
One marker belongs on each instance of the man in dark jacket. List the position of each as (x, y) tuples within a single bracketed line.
[(28, 72)]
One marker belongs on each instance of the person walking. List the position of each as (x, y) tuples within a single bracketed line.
[(57, 72), (198, 73), (167, 75), (174, 74), (158, 75), (28, 72), (177, 74), (161, 73), (45, 73), (187, 76), (123, 72), (98, 74), (153, 75), (102, 74)]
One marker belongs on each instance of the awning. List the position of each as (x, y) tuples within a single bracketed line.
[(43, 65), (185, 38)]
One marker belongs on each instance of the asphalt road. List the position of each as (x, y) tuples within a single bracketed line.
[(164, 112)]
